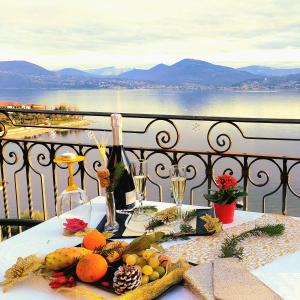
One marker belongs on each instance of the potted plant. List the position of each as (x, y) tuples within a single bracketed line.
[(225, 198)]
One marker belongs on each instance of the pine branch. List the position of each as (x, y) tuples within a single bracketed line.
[(230, 247), (190, 215), (153, 223)]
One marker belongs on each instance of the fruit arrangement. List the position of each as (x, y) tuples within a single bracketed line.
[(116, 265), (151, 264)]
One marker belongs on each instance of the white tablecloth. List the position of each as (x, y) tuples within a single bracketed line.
[(282, 275)]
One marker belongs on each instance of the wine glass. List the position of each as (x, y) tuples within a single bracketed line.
[(178, 183), (70, 203), (139, 172)]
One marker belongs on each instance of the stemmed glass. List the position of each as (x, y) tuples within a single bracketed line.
[(178, 183), (70, 202), (139, 172)]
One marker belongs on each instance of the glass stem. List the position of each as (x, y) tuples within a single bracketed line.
[(179, 212), (141, 199)]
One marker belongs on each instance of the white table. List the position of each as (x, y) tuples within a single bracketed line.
[(282, 275)]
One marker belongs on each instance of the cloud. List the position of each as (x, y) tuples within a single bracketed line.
[(95, 33)]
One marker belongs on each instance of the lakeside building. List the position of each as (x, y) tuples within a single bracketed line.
[(22, 105)]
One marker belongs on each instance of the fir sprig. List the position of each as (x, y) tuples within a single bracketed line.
[(190, 215), (185, 227), (153, 223), (230, 246)]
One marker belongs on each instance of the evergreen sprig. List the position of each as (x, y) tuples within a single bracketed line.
[(190, 215), (153, 223), (230, 247)]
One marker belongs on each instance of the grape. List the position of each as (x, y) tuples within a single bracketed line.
[(154, 276), (147, 254), (145, 279), (131, 259), (160, 270), (147, 270), (141, 261), (153, 262)]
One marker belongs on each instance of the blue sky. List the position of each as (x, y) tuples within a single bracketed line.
[(141, 33)]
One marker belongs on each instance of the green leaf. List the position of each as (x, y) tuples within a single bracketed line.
[(144, 242)]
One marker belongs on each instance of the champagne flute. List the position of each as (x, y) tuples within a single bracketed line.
[(139, 172), (178, 182)]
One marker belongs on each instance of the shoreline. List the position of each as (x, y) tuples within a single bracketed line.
[(23, 132)]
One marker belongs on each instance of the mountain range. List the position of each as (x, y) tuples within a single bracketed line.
[(187, 73)]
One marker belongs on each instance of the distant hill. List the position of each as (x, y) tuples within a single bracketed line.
[(108, 71), (74, 72), (267, 71), (191, 71), (185, 74), (21, 67)]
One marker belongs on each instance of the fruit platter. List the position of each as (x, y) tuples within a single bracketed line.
[(130, 269)]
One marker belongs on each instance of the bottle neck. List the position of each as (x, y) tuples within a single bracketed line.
[(117, 136)]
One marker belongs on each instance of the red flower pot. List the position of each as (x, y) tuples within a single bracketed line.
[(225, 212)]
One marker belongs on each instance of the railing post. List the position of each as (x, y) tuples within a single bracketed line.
[(284, 180), (209, 175), (82, 169), (54, 179), (245, 173), (4, 190), (26, 158)]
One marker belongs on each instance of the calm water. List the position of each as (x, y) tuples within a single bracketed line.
[(239, 104), (226, 104)]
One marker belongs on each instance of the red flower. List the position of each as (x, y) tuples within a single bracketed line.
[(225, 182), (75, 225)]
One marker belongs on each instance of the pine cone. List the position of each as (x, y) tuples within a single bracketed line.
[(126, 278)]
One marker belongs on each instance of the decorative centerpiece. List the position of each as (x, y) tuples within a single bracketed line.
[(225, 198), (133, 269)]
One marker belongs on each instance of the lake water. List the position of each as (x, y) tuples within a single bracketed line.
[(232, 104), (222, 104)]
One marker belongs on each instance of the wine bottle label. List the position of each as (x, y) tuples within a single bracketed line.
[(130, 197)]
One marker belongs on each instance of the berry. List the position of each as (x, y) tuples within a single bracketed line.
[(160, 270), (154, 276), (153, 262), (145, 279), (147, 270), (131, 259)]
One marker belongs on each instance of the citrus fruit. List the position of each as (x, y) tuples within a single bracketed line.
[(131, 259), (91, 268), (94, 240), (147, 270)]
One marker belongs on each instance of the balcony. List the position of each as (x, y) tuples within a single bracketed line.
[(260, 153)]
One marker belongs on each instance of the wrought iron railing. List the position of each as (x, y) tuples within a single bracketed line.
[(208, 146)]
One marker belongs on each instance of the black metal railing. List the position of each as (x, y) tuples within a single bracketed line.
[(208, 146)]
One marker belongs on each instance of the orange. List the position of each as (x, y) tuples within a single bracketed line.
[(94, 240), (91, 268)]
